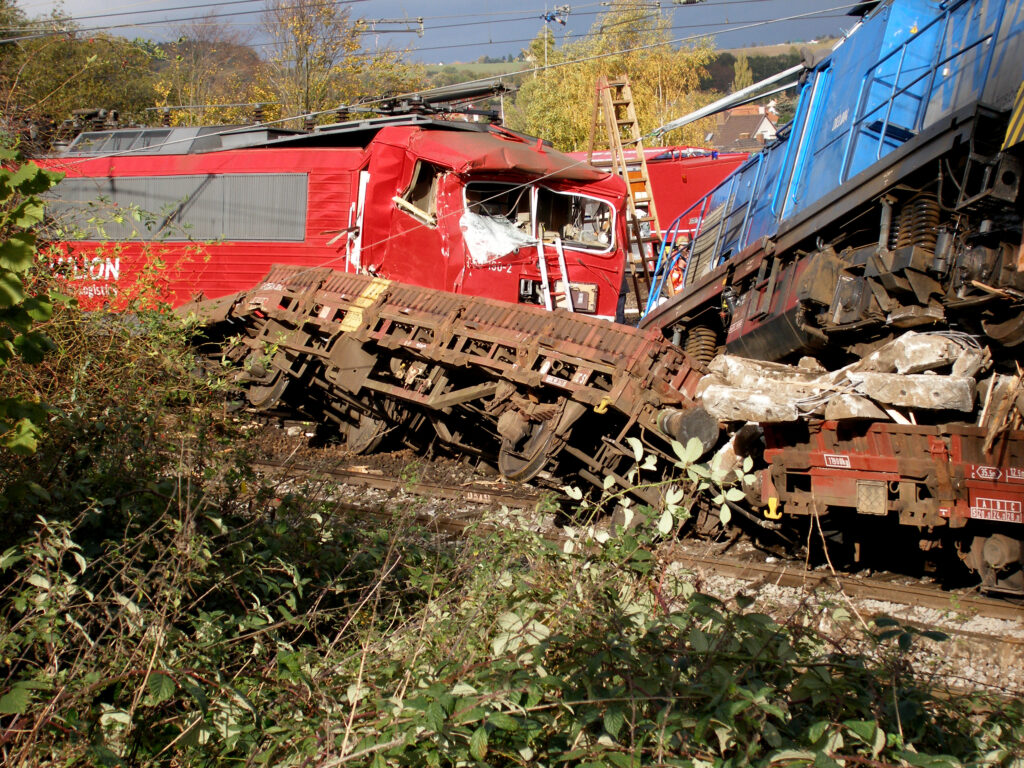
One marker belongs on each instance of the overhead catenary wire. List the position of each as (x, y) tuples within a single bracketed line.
[(520, 15), (573, 36), (529, 13), (526, 71), (343, 257), (162, 22)]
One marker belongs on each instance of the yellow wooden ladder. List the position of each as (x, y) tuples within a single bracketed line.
[(615, 117)]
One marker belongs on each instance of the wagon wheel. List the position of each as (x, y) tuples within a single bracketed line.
[(266, 395), (524, 461), (705, 523), (364, 434)]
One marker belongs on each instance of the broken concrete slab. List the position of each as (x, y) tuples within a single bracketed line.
[(846, 406), (728, 403), (972, 362), (755, 375), (740, 389), (916, 390), (917, 352)]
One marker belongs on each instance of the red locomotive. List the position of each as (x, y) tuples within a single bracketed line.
[(465, 207)]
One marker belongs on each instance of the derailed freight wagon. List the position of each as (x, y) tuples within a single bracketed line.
[(891, 203), (458, 206)]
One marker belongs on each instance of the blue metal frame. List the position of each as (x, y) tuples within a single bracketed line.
[(781, 182)]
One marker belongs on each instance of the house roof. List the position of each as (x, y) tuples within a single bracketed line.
[(739, 132)]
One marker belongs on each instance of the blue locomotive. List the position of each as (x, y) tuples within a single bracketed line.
[(891, 200)]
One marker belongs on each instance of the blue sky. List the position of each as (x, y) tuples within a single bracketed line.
[(464, 30)]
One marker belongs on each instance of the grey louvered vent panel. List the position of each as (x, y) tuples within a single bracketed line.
[(233, 207)]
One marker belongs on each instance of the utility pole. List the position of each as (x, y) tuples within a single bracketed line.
[(560, 15)]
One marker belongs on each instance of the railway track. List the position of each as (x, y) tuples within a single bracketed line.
[(472, 494), (453, 500), (476, 498)]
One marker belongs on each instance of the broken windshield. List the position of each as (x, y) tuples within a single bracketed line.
[(580, 222), (497, 200)]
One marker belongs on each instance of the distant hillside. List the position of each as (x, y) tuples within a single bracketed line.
[(476, 68), (817, 46), (765, 60)]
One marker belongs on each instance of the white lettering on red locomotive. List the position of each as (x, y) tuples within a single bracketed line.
[(96, 291), (998, 510), (95, 268)]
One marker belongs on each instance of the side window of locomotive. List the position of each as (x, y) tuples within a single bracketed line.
[(420, 199), (580, 222), (500, 201), (963, 59), (236, 207)]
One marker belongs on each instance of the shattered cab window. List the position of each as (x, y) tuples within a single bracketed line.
[(580, 222), (496, 221), (420, 200), (497, 200)]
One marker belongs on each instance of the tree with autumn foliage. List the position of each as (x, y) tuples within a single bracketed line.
[(630, 38), (48, 69), (743, 76), (209, 70), (316, 61)]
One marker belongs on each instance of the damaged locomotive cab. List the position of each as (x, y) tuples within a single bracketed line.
[(420, 199)]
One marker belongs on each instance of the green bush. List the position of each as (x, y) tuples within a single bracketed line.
[(20, 307), (208, 618)]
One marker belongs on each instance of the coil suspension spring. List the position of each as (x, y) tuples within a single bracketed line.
[(917, 223)]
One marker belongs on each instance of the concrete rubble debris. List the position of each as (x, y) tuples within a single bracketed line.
[(916, 390), (918, 352), (932, 371), (845, 406), (733, 404)]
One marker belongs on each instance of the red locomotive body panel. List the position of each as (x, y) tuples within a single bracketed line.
[(100, 271), (680, 176), (461, 210)]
